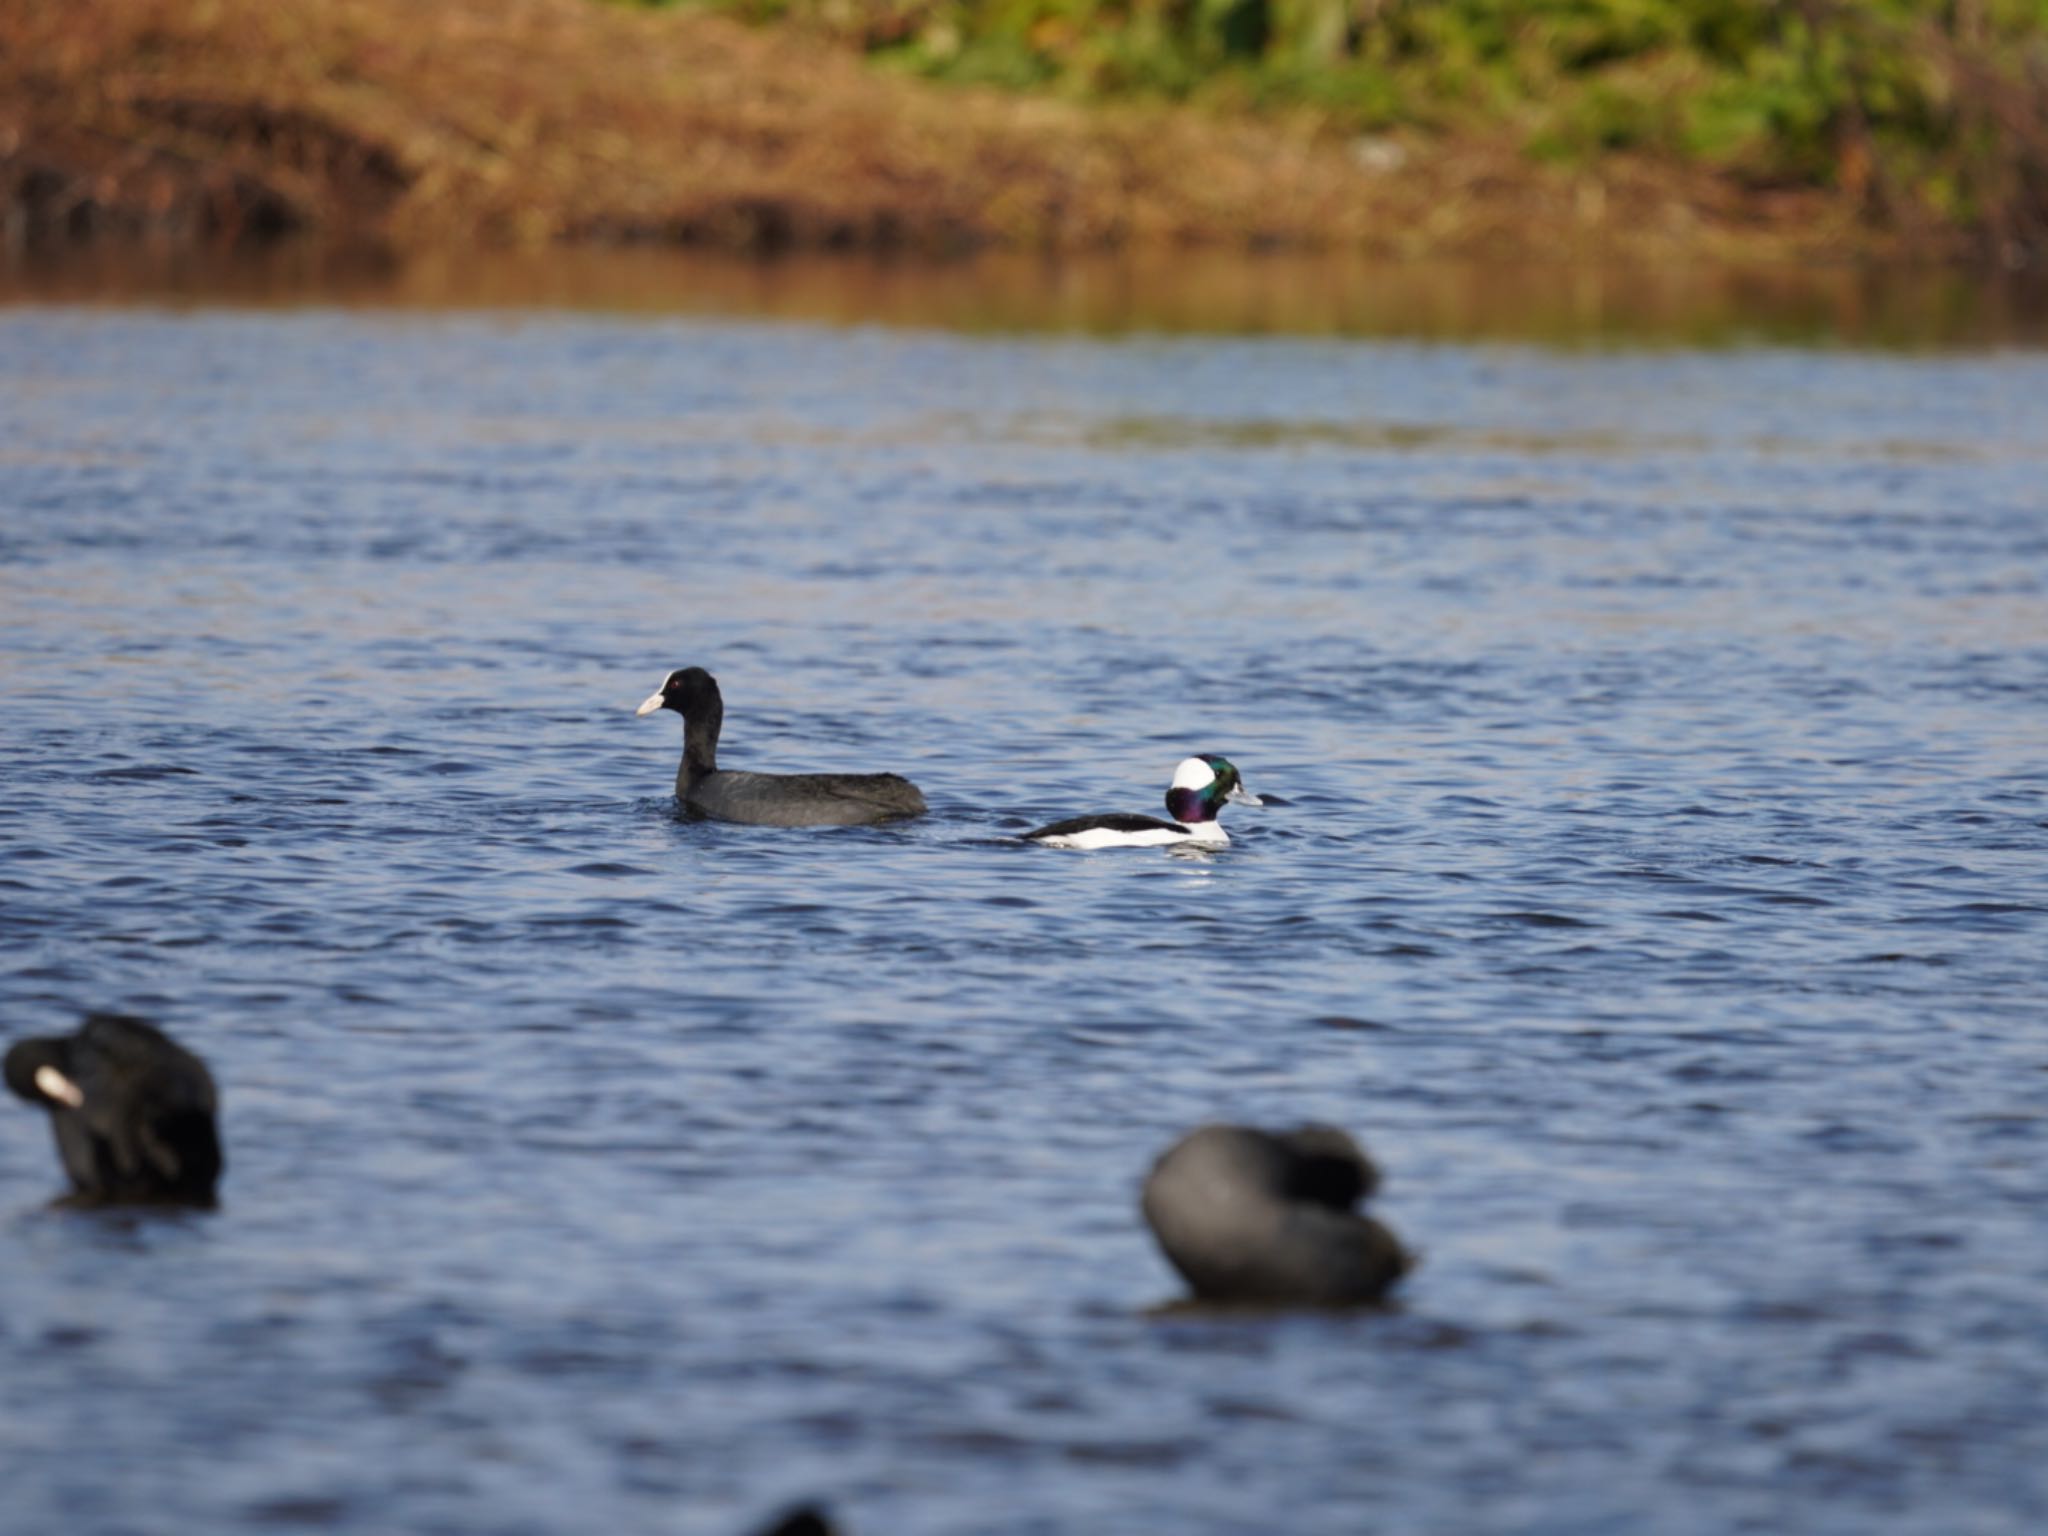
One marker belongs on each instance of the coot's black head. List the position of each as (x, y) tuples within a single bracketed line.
[(686, 691), (40, 1071), (1326, 1167)]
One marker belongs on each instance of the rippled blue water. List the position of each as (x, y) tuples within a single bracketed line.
[(1660, 894)]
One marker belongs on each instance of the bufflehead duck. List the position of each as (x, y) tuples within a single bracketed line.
[(133, 1111), (767, 799), (1201, 787), (1264, 1217)]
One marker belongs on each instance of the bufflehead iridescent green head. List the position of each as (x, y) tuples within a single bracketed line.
[(1202, 786)]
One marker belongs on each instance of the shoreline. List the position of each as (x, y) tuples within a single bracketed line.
[(1209, 293), (374, 126)]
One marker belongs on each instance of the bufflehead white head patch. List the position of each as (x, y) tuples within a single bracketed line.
[(1200, 787), (1215, 777)]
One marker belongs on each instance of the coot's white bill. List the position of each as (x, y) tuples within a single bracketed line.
[(59, 1087)]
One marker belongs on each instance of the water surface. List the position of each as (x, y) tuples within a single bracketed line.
[(1659, 893)]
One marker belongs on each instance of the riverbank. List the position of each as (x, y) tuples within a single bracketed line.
[(451, 124)]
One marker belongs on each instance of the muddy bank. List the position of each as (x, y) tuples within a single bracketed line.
[(411, 125)]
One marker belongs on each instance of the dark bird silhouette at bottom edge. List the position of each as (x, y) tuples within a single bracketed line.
[(803, 1520)]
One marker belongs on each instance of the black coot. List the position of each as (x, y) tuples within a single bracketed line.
[(133, 1111), (1267, 1218), (767, 799)]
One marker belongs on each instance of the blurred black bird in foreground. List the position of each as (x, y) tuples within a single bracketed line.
[(133, 1111), (804, 1520), (1266, 1218)]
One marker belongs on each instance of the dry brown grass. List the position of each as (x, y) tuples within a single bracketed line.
[(438, 123)]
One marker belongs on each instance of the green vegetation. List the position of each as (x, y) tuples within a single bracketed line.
[(1925, 112)]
